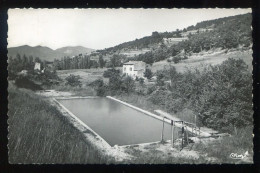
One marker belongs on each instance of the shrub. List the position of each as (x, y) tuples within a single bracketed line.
[(101, 91), (151, 89), (128, 84), (148, 74), (99, 87), (110, 72), (159, 97), (176, 59), (159, 79), (73, 80), (25, 82), (141, 81)]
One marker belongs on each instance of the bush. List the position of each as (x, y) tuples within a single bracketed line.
[(148, 74), (101, 91), (99, 87), (25, 82), (159, 97), (128, 84), (150, 90), (110, 72), (141, 81), (176, 59), (73, 80)]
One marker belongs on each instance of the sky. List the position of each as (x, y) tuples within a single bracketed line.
[(100, 28)]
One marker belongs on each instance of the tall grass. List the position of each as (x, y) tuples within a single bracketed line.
[(38, 133), (238, 143)]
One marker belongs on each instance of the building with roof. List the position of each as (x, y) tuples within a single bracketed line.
[(134, 68), (37, 66)]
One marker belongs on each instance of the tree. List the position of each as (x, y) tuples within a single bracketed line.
[(115, 60), (176, 59), (155, 34), (37, 59), (128, 84), (159, 79), (141, 81), (73, 80), (173, 75), (115, 83), (99, 87), (101, 61), (94, 64), (148, 73), (110, 72)]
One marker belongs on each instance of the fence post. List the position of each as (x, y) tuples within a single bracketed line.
[(162, 129), (172, 124), (182, 135), (187, 135)]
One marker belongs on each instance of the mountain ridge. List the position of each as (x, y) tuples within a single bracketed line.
[(46, 53)]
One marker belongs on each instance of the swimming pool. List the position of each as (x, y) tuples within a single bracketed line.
[(116, 123)]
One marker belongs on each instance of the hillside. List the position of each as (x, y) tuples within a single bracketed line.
[(204, 36), (46, 53), (72, 51)]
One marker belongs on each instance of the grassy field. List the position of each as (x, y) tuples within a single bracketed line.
[(38, 133), (87, 75), (202, 58)]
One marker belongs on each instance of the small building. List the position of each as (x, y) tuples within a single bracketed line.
[(134, 68), (23, 73), (37, 66)]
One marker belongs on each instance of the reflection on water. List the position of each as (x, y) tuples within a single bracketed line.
[(117, 123)]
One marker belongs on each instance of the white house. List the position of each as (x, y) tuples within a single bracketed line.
[(134, 68), (37, 66)]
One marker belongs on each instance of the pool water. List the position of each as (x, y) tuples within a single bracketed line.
[(116, 123)]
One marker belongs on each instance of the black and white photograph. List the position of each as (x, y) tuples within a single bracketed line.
[(130, 86)]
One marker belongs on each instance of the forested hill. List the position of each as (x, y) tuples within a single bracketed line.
[(46, 53), (246, 18), (225, 32)]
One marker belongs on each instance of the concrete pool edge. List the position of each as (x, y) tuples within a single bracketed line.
[(76, 97), (92, 137)]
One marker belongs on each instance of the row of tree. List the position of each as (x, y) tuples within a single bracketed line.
[(85, 62), (78, 62), (221, 95)]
